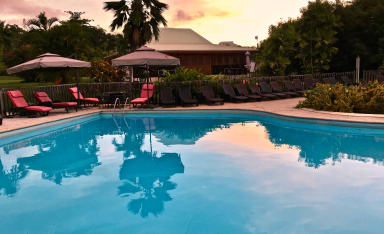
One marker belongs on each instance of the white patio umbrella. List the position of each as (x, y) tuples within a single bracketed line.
[(145, 57), (248, 61), (51, 61)]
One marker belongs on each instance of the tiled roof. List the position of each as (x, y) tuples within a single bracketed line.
[(182, 39), (198, 48), (179, 36)]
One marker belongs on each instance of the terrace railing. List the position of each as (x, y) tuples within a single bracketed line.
[(60, 92), (371, 75)]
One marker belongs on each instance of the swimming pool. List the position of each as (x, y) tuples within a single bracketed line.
[(192, 173)]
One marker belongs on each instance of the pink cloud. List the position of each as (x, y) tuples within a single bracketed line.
[(27, 9), (182, 16)]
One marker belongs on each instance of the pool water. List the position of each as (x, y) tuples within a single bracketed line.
[(193, 174)]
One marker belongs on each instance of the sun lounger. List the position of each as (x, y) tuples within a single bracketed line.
[(266, 89), (291, 87), (22, 107), (44, 100), (210, 95), (277, 89), (380, 78), (309, 83), (333, 80), (315, 82), (243, 91), (255, 90), (229, 92), (347, 81), (186, 97), (298, 84), (326, 81), (166, 96), (74, 93), (145, 93)]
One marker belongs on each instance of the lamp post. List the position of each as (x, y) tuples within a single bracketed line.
[(257, 39)]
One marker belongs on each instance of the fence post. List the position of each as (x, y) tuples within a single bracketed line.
[(2, 113)]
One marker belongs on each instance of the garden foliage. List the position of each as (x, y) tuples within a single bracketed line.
[(339, 98), (105, 72)]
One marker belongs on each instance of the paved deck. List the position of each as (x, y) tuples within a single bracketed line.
[(281, 107)]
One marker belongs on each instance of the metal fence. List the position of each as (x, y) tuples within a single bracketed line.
[(370, 76), (60, 92)]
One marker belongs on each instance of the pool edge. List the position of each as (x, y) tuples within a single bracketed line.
[(287, 118)]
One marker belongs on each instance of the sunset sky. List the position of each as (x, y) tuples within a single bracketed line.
[(217, 20)]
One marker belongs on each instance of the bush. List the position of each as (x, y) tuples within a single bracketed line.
[(339, 98), (105, 72), (188, 74), (18, 56)]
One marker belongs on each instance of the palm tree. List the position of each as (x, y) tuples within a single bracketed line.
[(42, 22), (140, 19), (5, 35)]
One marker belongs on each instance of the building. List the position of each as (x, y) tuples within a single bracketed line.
[(194, 51)]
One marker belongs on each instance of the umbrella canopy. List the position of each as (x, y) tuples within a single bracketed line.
[(146, 56), (248, 61), (48, 60)]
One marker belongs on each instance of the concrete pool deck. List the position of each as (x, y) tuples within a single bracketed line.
[(280, 107)]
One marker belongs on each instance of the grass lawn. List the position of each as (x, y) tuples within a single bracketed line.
[(15, 82)]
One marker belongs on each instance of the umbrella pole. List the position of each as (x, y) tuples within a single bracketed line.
[(77, 79), (147, 84), (77, 83)]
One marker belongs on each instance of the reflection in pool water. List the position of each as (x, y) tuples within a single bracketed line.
[(193, 174)]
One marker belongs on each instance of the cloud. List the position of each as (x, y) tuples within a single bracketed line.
[(26, 9), (182, 16)]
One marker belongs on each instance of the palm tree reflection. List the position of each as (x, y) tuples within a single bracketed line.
[(146, 176), (149, 176), (60, 156), (9, 179)]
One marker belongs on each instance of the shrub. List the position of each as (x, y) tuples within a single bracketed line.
[(105, 72), (18, 56), (188, 74), (339, 98)]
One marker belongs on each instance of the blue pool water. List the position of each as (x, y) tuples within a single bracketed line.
[(192, 174)]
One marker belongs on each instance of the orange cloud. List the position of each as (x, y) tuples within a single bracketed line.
[(183, 16)]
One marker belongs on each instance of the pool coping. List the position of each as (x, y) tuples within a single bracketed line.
[(303, 120)]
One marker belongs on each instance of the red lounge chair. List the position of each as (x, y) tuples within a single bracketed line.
[(44, 100), (73, 92), (21, 105), (144, 95)]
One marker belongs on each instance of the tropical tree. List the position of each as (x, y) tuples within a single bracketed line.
[(277, 51), (317, 29), (140, 19), (362, 35), (41, 22), (5, 35)]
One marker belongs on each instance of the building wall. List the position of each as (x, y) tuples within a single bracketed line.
[(210, 62)]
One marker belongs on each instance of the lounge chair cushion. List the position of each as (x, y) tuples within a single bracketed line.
[(64, 104), (73, 92), (144, 91), (139, 100), (94, 100), (38, 108), (42, 97), (15, 93), (17, 99)]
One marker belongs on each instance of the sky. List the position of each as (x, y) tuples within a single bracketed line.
[(217, 20)]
